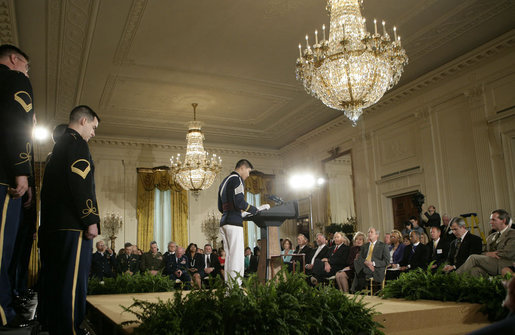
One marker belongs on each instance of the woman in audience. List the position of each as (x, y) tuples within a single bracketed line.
[(195, 264), (287, 250), (396, 248), (424, 239), (342, 276), (221, 259), (406, 241), (408, 227)]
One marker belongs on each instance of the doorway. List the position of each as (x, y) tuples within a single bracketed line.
[(403, 208)]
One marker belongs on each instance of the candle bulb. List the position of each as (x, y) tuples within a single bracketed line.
[(300, 51), (375, 26), (399, 39), (316, 36), (395, 32), (323, 30), (307, 43), (384, 28)]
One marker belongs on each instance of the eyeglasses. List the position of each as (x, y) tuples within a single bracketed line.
[(27, 66)]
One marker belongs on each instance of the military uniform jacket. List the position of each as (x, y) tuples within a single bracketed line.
[(231, 200), (103, 265), (149, 261), (68, 200), (127, 263), (16, 122)]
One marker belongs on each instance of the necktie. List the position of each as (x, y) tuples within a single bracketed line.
[(458, 245), (335, 249), (370, 250), (434, 247), (208, 261)]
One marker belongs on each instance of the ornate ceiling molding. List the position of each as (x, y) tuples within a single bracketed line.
[(139, 143), (131, 27), (8, 29), (457, 22), (446, 71)]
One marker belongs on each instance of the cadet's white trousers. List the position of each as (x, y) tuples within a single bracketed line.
[(232, 236)]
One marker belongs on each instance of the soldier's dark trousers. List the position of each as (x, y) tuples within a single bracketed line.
[(10, 218), (67, 262)]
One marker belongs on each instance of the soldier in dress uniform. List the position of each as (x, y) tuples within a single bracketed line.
[(16, 123), (103, 262), (152, 261), (127, 262), (69, 222)]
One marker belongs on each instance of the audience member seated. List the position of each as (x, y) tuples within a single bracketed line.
[(371, 262), (167, 258), (416, 225), (431, 218), (387, 239), (507, 325), (337, 260), (438, 248), (302, 245), (127, 262), (287, 250), (424, 239), (103, 262), (322, 251), (508, 269), (195, 264), (500, 249), (152, 260), (212, 266), (406, 241), (342, 277), (179, 268), (221, 260), (416, 255), (408, 227), (251, 262), (447, 234), (396, 254), (463, 246)]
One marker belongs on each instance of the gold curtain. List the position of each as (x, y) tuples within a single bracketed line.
[(262, 184), (148, 181)]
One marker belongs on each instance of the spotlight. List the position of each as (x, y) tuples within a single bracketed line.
[(302, 181), (320, 181), (41, 133)]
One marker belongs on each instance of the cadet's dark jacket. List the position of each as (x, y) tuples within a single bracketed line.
[(68, 199), (103, 266), (231, 200), (126, 263), (16, 122), (149, 261)]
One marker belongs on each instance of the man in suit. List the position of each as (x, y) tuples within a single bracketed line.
[(445, 228), (212, 265), (500, 248), (337, 260), (372, 260), (167, 258), (463, 246), (438, 248), (301, 248), (415, 255), (180, 267), (322, 251), (103, 262)]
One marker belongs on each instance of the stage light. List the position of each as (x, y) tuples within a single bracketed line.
[(302, 181), (320, 181), (41, 133)]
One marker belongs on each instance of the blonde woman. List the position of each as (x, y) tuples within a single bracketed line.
[(342, 276)]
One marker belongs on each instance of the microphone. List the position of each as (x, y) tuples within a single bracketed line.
[(276, 199)]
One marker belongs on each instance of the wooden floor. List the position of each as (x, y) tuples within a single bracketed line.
[(399, 317)]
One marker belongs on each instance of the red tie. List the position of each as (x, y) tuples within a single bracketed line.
[(336, 248)]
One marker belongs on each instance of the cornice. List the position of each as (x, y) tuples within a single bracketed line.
[(451, 69), (142, 143), (8, 31)]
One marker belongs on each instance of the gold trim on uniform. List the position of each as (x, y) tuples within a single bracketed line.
[(75, 274), (247, 209), (2, 229), (90, 209), (18, 98), (82, 173), (26, 156)]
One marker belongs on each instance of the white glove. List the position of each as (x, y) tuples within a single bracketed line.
[(263, 207)]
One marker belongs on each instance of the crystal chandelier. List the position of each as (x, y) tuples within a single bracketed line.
[(354, 68), (198, 171)]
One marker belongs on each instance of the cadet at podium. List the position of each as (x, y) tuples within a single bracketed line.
[(231, 203)]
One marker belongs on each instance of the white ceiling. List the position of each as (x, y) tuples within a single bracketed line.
[(140, 64)]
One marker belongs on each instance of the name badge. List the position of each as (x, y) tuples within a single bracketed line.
[(438, 251)]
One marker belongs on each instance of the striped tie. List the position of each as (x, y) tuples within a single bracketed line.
[(370, 250)]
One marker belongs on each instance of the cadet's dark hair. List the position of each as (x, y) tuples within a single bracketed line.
[(59, 131), (128, 244), (243, 162), (8, 49), (83, 111), (413, 218)]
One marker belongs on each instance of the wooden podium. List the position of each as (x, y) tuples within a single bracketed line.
[(269, 221)]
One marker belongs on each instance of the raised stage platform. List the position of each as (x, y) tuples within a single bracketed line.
[(400, 317)]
